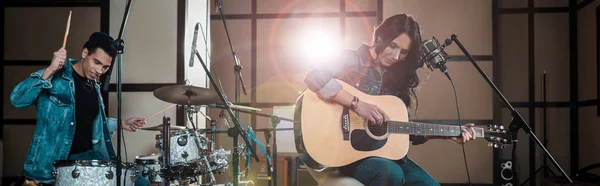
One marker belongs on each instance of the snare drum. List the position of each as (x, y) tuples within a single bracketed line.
[(149, 167), (184, 148), (92, 172), (219, 160)]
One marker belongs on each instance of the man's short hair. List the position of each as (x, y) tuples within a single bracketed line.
[(100, 40)]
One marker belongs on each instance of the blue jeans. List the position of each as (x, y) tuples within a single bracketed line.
[(376, 171)]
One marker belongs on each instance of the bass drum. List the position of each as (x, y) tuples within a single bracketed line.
[(92, 172)]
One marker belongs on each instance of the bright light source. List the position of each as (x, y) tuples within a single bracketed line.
[(318, 46)]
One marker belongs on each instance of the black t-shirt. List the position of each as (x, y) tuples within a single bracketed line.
[(86, 111)]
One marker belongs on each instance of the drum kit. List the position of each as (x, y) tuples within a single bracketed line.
[(185, 154)]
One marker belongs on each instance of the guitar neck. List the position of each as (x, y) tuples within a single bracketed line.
[(428, 129)]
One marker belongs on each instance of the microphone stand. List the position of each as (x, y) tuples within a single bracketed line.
[(272, 171), (236, 129), (516, 123), (544, 124), (238, 67), (119, 46), (238, 80), (275, 120)]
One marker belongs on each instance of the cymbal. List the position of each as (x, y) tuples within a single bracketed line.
[(160, 128), (186, 95)]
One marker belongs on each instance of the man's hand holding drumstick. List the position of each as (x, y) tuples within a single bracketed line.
[(135, 123), (60, 56)]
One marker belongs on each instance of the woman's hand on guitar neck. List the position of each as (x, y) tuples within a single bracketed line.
[(466, 135), (371, 112)]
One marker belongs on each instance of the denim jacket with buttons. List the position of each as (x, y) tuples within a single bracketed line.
[(54, 99), (353, 67)]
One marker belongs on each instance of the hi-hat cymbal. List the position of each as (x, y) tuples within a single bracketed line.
[(186, 95), (160, 128)]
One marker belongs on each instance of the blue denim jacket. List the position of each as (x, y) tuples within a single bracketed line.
[(355, 68), (54, 99)]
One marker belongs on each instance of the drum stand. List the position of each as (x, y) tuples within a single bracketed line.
[(166, 147), (190, 111)]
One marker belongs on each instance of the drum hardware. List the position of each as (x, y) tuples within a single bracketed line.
[(109, 174), (75, 173), (166, 146)]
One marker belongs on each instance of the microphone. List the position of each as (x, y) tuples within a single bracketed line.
[(434, 55), (217, 5), (194, 45)]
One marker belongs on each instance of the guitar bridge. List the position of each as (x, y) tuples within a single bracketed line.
[(345, 123)]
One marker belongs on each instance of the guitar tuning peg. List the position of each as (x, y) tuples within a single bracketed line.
[(501, 127), (492, 138), (496, 145), (495, 126)]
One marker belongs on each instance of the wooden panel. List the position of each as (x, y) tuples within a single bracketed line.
[(589, 140), (295, 6), (359, 30), (12, 76), (150, 41), (550, 3), (360, 5), (436, 97), (513, 4), (16, 143), (514, 57), (35, 33), (222, 59), (232, 7), (552, 56), (587, 47), (470, 20)]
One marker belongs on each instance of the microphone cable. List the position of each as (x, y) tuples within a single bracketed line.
[(458, 112)]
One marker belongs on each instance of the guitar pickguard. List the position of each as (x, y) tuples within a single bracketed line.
[(361, 141)]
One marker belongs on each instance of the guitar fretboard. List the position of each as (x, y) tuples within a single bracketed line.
[(428, 129)]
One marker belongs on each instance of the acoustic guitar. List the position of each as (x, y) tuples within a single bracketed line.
[(328, 134)]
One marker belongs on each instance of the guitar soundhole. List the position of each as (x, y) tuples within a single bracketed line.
[(377, 130)]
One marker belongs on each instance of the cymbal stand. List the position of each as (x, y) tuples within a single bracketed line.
[(166, 149), (191, 111)]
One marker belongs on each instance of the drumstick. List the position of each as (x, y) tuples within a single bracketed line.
[(161, 111), (67, 32)]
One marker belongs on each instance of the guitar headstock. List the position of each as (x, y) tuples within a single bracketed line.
[(498, 136)]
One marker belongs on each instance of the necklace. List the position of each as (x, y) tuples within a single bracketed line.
[(88, 85)]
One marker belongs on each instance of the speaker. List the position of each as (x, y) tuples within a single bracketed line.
[(259, 174), (300, 176), (506, 173)]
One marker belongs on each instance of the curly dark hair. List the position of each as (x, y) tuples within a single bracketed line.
[(401, 78)]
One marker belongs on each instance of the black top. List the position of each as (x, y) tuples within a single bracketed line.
[(86, 111)]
